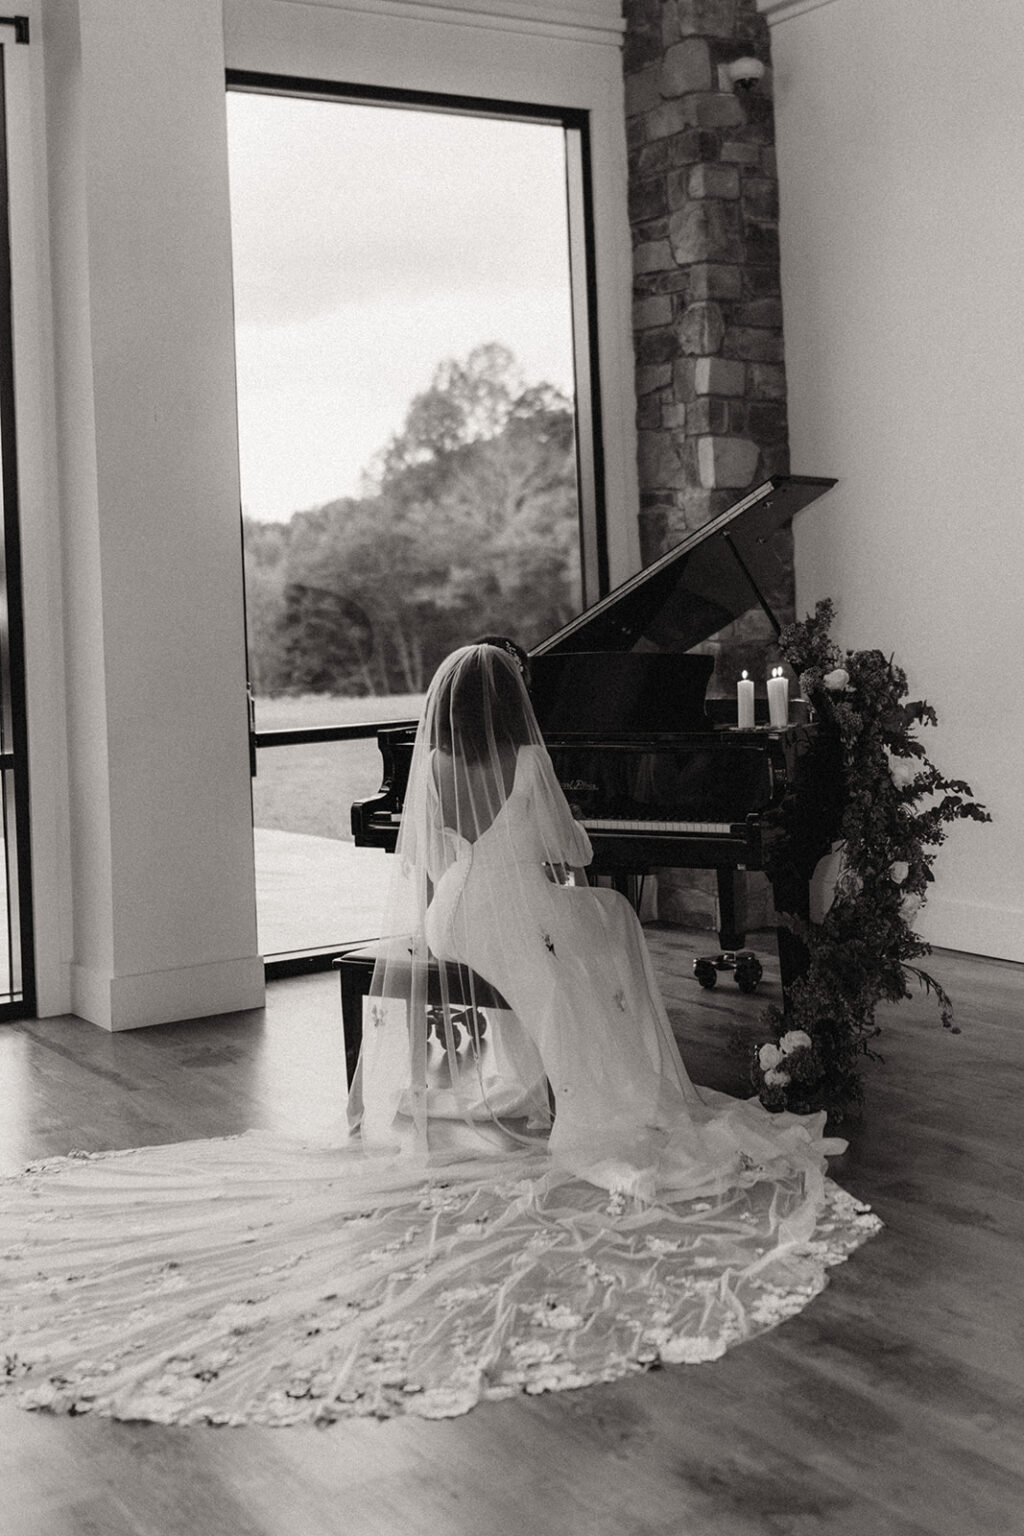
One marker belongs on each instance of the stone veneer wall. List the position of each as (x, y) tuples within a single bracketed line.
[(711, 386), (710, 375)]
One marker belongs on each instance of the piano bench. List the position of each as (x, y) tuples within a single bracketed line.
[(463, 987)]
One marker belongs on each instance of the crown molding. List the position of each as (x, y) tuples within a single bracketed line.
[(775, 11), (594, 21)]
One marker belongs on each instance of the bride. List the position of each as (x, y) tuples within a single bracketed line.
[(531, 1194), (483, 882)]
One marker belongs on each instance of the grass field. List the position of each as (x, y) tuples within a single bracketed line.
[(311, 788)]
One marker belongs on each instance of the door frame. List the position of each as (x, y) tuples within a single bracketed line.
[(13, 707)]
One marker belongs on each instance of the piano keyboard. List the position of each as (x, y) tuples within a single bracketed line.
[(617, 824), (620, 824)]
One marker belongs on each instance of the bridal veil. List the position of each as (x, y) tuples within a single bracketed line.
[(440, 1043)]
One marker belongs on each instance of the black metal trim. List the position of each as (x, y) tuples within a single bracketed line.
[(20, 25), (15, 609), (338, 90), (310, 961), (250, 699), (305, 962), (305, 735), (596, 412)]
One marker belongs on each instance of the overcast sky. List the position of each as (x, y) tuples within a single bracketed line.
[(369, 244)]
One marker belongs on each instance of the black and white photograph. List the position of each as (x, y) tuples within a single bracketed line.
[(511, 714)]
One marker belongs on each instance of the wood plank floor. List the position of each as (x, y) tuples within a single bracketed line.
[(893, 1405)]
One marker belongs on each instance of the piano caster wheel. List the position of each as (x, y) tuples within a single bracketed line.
[(743, 963), (748, 971), (706, 972)]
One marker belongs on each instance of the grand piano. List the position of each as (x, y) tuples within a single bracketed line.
[(637, 702)]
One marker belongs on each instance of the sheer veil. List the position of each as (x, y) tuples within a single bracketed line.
[(430, 1056)]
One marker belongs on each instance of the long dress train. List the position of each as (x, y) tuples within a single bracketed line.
[(452, 1250)]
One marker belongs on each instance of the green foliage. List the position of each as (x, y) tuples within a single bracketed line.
[(468, 525), (893, 809)]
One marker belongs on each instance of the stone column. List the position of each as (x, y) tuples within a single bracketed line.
[(707, 317), (711, 386)]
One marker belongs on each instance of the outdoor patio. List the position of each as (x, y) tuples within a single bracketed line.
[(316, 892)]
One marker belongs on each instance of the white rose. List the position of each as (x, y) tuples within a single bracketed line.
[(776, 1079), (899, 871), (910, 906), (793, 1040), (769, 1056), (903, 771), (836, 681)]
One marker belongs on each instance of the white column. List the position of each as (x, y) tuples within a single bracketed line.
[(160, 821)]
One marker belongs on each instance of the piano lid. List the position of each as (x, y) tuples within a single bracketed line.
[(737, 562)]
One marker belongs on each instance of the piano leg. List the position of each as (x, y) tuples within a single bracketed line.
[(793, 960), (730, 935), (791, 894), (628, 885)]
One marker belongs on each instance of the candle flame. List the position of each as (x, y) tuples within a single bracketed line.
[(743, 674)]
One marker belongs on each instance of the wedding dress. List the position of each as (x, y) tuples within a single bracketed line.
[(528, 1197)]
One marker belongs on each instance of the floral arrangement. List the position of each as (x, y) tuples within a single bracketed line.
[(889, 808)]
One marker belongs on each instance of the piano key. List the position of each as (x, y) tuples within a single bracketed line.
[(617, 824)]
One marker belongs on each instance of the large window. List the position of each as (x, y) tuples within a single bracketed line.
[(416, 440)]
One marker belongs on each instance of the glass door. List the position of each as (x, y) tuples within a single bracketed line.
[(416, 439), (17, 983)]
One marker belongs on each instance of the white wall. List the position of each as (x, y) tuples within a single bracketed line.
[(900, 127)]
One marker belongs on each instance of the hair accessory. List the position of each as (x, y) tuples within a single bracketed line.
[(503, 643), (512, 650)]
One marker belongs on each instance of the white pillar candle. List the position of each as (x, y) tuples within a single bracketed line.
[(745, 703), (778, 698)]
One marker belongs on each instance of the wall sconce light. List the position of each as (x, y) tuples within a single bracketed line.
[(740, 75)]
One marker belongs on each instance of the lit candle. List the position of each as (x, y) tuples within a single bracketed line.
[(745, 703), (778, 698)]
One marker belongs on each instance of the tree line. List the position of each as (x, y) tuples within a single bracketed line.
[(467, 524)]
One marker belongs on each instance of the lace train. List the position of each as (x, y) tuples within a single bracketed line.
[(257, 1281)]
